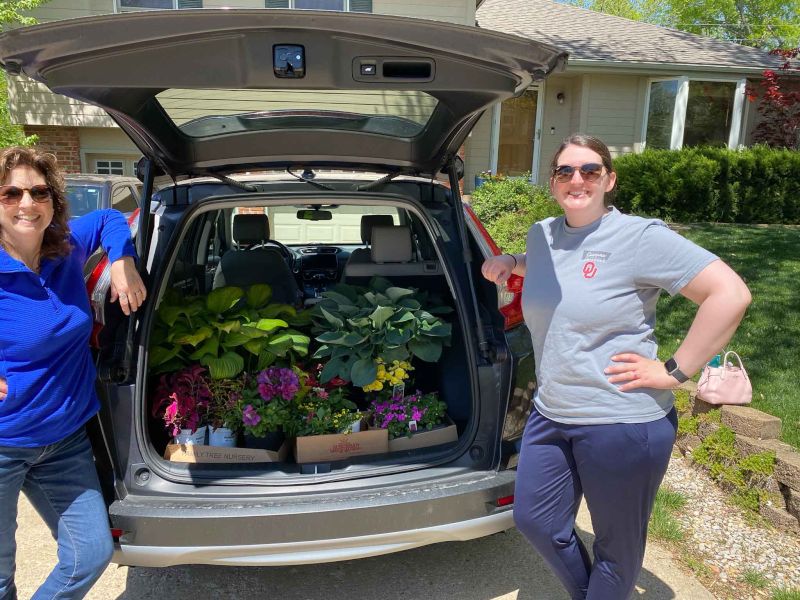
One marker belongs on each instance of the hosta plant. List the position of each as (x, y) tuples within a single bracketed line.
[(360, 329), (227, 330)]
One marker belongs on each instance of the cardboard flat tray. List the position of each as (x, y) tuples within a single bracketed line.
[(340, 446), (191, 453), (425, 438)]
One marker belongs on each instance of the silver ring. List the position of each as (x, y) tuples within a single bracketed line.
[(123, 296)]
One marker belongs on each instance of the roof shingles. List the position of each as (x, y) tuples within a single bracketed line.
[(594, 36)]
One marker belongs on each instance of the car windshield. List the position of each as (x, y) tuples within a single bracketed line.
[(84, 199), (206, 113)]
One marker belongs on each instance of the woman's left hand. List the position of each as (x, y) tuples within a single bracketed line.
[(127, 285), (635, 371)]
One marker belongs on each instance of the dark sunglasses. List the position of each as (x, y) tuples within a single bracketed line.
[(11, 194), (589, 172)]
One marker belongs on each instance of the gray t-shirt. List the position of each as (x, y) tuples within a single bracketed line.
[(590, 293)]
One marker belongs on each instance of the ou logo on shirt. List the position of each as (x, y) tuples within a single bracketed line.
[(589, 269)]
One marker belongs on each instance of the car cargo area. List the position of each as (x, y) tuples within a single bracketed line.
[(313, 337)]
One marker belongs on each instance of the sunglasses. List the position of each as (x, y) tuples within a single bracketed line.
[(11, 194), (589, 172)]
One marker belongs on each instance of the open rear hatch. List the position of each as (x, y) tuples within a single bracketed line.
[(197, 91)]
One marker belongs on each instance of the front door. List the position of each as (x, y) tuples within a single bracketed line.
[(516, 141)]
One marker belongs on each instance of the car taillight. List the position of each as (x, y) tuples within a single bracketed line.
[(505, 501), (98, 283), (509, 296)]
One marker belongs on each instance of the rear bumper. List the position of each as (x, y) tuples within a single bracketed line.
[(315, 528)]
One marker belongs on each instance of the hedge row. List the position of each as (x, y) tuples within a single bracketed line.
[(707, 184)]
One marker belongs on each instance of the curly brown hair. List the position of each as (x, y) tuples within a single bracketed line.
[(56, 236)]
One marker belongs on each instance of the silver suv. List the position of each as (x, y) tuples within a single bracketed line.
[(89, 191), (336, 116)]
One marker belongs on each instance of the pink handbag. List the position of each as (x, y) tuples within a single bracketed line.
[(726, 384)]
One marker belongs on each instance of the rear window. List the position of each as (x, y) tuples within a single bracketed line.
[(84, 199), (344, 226), (208, 113)]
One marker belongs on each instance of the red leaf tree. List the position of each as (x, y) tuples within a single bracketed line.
[(779, 103)]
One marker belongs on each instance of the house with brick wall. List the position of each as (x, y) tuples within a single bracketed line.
[(633, 84)]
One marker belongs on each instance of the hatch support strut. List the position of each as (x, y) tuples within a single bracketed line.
[(458, 211), (141, 241)]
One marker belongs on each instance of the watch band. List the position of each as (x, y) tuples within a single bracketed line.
[(672, 369)]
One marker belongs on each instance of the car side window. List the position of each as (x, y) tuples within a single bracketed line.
[(123, 199)]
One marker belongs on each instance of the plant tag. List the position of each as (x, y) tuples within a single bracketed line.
[(399, 390), (412, 425)]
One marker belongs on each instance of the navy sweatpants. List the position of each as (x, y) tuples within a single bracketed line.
[(618, 467)]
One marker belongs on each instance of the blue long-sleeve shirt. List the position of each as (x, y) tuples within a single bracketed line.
[(45, 324)]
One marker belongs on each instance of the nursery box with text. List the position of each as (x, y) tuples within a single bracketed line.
[(192, 453), (340, 446), (426, 437)]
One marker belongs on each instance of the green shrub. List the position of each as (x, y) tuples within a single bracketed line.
[(711, 184), (745, 476), (508, 207)]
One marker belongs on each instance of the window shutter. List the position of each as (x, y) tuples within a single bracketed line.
[(276, 3), (190, 3), (361, 6)]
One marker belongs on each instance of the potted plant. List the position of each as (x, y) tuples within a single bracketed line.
[(329, 427), (266, 406), (181, 399), (411, 417), (370, 335), (225, 411), (228, 330)]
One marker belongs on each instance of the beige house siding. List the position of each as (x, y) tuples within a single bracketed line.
[(55, 10), (452, 11), (477, 150), (611, 104), (31, 103)]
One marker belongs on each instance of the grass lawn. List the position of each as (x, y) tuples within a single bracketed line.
[(768, 340)]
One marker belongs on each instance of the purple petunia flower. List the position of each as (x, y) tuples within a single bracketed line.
[(250, 417)]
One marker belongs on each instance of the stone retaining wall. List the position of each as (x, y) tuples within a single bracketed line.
[(756, 431)]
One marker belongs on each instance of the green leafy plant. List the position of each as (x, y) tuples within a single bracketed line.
[(226, 330), (358, 328), (745, 476), (225, 406), (322, 411)]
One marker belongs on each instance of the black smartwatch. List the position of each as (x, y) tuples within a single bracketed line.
[(672, 369)]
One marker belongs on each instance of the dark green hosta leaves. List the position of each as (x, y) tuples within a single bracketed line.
[(357, 326), (425, 350), (363, 372)]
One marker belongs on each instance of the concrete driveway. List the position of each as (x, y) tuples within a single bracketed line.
[(500, 567)]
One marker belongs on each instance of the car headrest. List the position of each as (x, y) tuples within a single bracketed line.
[(250, 229), (370, 221), (391, 244)]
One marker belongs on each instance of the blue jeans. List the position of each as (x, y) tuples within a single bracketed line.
[(618, 467), (61, 483)]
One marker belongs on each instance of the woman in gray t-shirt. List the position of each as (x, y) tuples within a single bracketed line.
[(603, 424)]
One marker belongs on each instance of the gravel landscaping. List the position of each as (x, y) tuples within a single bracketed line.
[(731, 542)]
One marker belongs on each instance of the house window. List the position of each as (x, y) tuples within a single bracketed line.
[(682, 112), (126, 5), (109, 167), (340, 5)]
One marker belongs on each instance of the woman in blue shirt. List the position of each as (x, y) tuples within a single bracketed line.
[(46, 369)]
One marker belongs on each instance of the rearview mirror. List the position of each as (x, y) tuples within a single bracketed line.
[(311, 214)]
